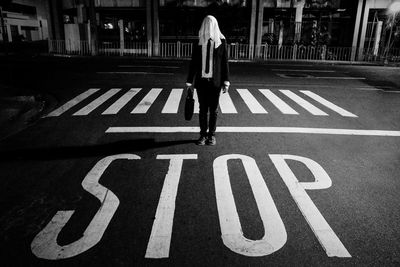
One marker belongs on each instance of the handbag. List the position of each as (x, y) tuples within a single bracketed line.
[(189, 105)]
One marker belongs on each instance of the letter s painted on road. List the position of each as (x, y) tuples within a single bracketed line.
[(45, 246)]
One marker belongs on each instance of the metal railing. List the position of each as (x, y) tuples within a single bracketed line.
[(236, 51)]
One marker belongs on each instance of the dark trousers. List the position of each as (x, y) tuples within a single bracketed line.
[(208, 96)]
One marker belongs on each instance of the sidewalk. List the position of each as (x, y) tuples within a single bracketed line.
[(19, 108)]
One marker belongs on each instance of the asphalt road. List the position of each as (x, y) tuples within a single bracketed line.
[(305, 170)]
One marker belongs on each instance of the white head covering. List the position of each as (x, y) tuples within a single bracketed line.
[(210, 29)]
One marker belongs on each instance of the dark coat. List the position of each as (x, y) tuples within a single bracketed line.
[(220, 65)]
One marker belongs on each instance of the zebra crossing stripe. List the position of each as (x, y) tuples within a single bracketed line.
[(304, 103), (328, 104), (147, 101), (279, 103), (72, 102), (97, 102), (226, 104), (172, 104), (251, 102), (121, 102)]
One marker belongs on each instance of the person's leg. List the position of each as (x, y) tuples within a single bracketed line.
[(213, 104), (203, 104)]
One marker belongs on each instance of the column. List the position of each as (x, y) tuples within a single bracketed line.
[(121, 37), (363, 29), (260, 20), (156, 28), (149, 28), (79, 13), (252, 27), (356, 30), (93, 28), (298, 20)]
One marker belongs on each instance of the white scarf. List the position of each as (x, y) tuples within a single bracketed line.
[(209, 30)]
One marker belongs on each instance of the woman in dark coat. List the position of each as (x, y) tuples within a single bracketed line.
[(210, 71)]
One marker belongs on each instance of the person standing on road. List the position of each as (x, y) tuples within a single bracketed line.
[(210, 70)]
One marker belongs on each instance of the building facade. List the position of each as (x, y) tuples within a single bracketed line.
[(358, 24), (24, 20)]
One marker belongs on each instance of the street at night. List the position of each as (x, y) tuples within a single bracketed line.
[(304, 173)]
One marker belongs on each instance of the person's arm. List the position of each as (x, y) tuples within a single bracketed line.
[(192, 66), (225, 69)]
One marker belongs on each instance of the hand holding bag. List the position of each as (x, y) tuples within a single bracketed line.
[(189, 104)]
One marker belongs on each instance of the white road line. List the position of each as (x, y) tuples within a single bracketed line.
[(148, 66), (279, 103), (328, 104), (302, 70), (225, 103), (196, 102), (72, 102), (120, 103), (305, 104), (172, 104), (251, 102), (227, 129), (97, 102), (134, 72), (147, 101), (161, 232), (322, 230), (340, 78)]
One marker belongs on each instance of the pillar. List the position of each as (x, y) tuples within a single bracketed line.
[(93, 28), (298, 20), (79, 13), (149, 27), (260, 20), (156, 28), (121, 37), (363, 29), (252, 27), (56, 20), (356, 30), (3, 26)]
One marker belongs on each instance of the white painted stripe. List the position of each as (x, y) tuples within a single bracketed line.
[(97, 102), (134, 72), (72, 102), (322, 230), (226, 104), (45, 244), (340, 78), (148, 66), (172, 104), (305, 104), (147, 101), (161, 232), (275, 235), (279, 103), (328, 104), (302, 70), (120, 103), (251, 101), (224, 129), (196, 102)]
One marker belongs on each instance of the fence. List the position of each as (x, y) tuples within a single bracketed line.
[(235, 51)]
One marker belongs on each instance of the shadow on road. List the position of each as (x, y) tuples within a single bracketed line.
[(56, 153)]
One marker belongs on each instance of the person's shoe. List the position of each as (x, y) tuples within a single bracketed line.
[(211, 141), (201, 141)]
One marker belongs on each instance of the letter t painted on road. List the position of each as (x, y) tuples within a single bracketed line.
[(160, 238)]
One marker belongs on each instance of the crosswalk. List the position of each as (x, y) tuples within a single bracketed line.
[(288, 102)]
